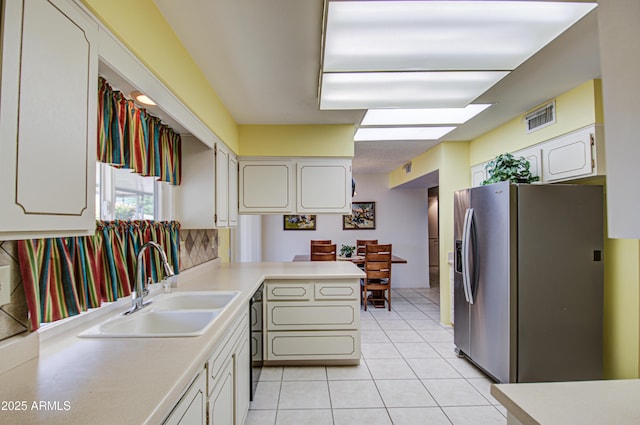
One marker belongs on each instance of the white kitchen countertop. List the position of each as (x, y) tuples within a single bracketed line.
[(134, 380), (608, 402)]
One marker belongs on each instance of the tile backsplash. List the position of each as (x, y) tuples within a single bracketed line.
[(14, 316), (196, 247)]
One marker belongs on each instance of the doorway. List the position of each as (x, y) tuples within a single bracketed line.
[(434, 236)]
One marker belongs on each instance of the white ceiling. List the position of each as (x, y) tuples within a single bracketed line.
[(263, 60)]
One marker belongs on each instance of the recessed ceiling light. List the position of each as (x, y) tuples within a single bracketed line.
[(400, 133), (422, 116), (142, 98), (371, 90), (442, 35)]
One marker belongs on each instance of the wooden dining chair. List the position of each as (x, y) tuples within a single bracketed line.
[(360, 244), (377, 266), (319, 242), (323, 252)]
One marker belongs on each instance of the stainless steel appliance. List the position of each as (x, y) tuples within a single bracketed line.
[(255, 326), (528, 281)]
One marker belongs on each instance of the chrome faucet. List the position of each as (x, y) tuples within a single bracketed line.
[(140, 290)]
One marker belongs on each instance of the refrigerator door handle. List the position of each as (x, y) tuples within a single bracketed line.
[(469, 255), (466, 250)]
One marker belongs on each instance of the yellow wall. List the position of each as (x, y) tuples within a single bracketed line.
[(296, 140), (455, 157), (447, 159), (574, 109), (140, 26), (621, 312)]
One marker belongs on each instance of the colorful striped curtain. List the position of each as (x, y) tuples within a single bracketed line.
[(130, 137), (63, 277)]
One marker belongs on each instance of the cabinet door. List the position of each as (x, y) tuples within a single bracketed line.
[(232, 190), (478, 174), (192, 408), (533, 155), (197, 199), (222, 186), (242, 377), (48, 121), (266, 187), (221, 410), (568, 156), (324, 186)]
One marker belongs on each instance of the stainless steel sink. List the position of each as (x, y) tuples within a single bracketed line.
[(181, 314)]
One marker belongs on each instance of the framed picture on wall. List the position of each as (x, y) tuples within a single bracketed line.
[(299, 222), (362, 217)]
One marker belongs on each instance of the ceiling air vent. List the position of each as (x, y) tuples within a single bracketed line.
[(541, 117), (407, 167)]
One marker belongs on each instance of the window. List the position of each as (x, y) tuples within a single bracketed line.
[(122, 194)]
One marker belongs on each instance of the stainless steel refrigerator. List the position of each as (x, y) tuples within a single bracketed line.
[(528, 281)]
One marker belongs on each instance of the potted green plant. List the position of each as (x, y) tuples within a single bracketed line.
[(508, 167), (347, 250)]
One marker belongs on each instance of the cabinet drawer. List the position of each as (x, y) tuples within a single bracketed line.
[(239, 329), (325, 315), (290, 291), (337, 291), (330, 345)]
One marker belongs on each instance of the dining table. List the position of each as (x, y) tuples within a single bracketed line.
[(356, 259)]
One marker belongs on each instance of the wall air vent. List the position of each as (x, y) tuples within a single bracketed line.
[(541, 117), (407, 167)]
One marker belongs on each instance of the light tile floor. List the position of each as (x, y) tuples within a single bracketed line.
[(408, 375)]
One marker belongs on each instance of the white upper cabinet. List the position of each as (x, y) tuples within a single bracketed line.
[(478, 174), (572, 155), (222, 187), (533, 154), (48, 124), (209, 190), (233, 191), (324, 186), (267, 186), (226, 187), (286, 186), (196, 192)]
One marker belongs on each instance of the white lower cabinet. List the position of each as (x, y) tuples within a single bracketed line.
[(229, 381), (313, 321), (221, 410), (192, 407), (220, 394), (242, 374)]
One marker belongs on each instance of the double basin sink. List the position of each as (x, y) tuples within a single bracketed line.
[(180, 314)]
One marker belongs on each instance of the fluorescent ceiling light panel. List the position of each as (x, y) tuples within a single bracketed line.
[(401, 133), (373, 90), (442, 35), (422, 116)]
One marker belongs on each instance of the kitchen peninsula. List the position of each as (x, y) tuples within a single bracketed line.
[(142, 380)]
